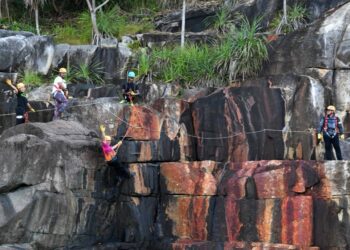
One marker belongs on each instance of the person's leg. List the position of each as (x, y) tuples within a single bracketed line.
[(20, 121), (121, 168), (328, 147), (335, 142)]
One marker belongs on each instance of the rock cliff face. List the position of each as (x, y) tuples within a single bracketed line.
[(56, 191), (236, 168)]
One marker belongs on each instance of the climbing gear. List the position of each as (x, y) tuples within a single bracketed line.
[(342, 137), (326, 122), (331, 108), (20, 85), (319, 136), (62, 70), (131, 74)]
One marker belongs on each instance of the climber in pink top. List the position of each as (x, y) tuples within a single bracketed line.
[(110, 154)]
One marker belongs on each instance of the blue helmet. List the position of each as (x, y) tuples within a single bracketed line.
[(131, 74)]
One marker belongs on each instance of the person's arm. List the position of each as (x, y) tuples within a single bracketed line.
[(103, 130), (30, 107), (340, 126), (9, 83), (320, 127), (116, 146)]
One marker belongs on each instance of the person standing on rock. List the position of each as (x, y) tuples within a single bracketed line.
[(60, 82), (22, 102), (61, 101), (330, 130), (110, 154), (130, 89)]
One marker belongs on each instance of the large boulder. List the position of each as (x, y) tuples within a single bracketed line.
[(323, 45), (111, 59), (25, 51)]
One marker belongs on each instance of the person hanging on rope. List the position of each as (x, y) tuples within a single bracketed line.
[(110, 154), (22, 102), (130, 89), (330, 130)]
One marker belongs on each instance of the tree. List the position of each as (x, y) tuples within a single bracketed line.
[(6, 12), (284, 20), (183, 24), (34, 5), (93, 10)]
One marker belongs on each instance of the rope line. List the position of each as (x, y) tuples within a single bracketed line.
[(284, 131)]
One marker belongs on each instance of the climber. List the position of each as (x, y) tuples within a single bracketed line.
[(61, 101), (330, 130), (130, 89), (22, 102), (110, 154), (62, 72)]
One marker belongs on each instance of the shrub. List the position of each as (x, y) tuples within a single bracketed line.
[(249, 49), (68, 33), (109, 22), (296, 19), (88, 73), (31, 78), (223, 20), (239, 55)]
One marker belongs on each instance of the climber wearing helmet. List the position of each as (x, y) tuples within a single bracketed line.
[(130, 89), (330, 130), (22, 102), (59, 82), (61, 101), (110, 154)]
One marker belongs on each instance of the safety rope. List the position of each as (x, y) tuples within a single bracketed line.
[(306, 131)]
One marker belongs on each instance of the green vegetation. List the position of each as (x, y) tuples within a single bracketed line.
[(223, 21), (296, 19), (111, 23), (248, 48), (88, 73), (67, 33), (31, 78), (16, 25), (239, 55)]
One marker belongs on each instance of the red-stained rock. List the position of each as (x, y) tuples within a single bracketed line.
[(193, 178), (297, 220), (143, 123), (278, 179), (233, 179), (236, 245), (230, 127), (233, 223), (186, 216), (268, 220)]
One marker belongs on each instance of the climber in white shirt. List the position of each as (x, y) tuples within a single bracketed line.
[(59, 83)]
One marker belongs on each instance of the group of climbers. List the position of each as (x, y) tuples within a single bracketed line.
[(59, 94)]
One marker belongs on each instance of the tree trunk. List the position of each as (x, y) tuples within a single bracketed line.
[(96, 37), (36, 10), (7, 9), (96, 33), (284, 20), (183, 24), (0, 9)]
